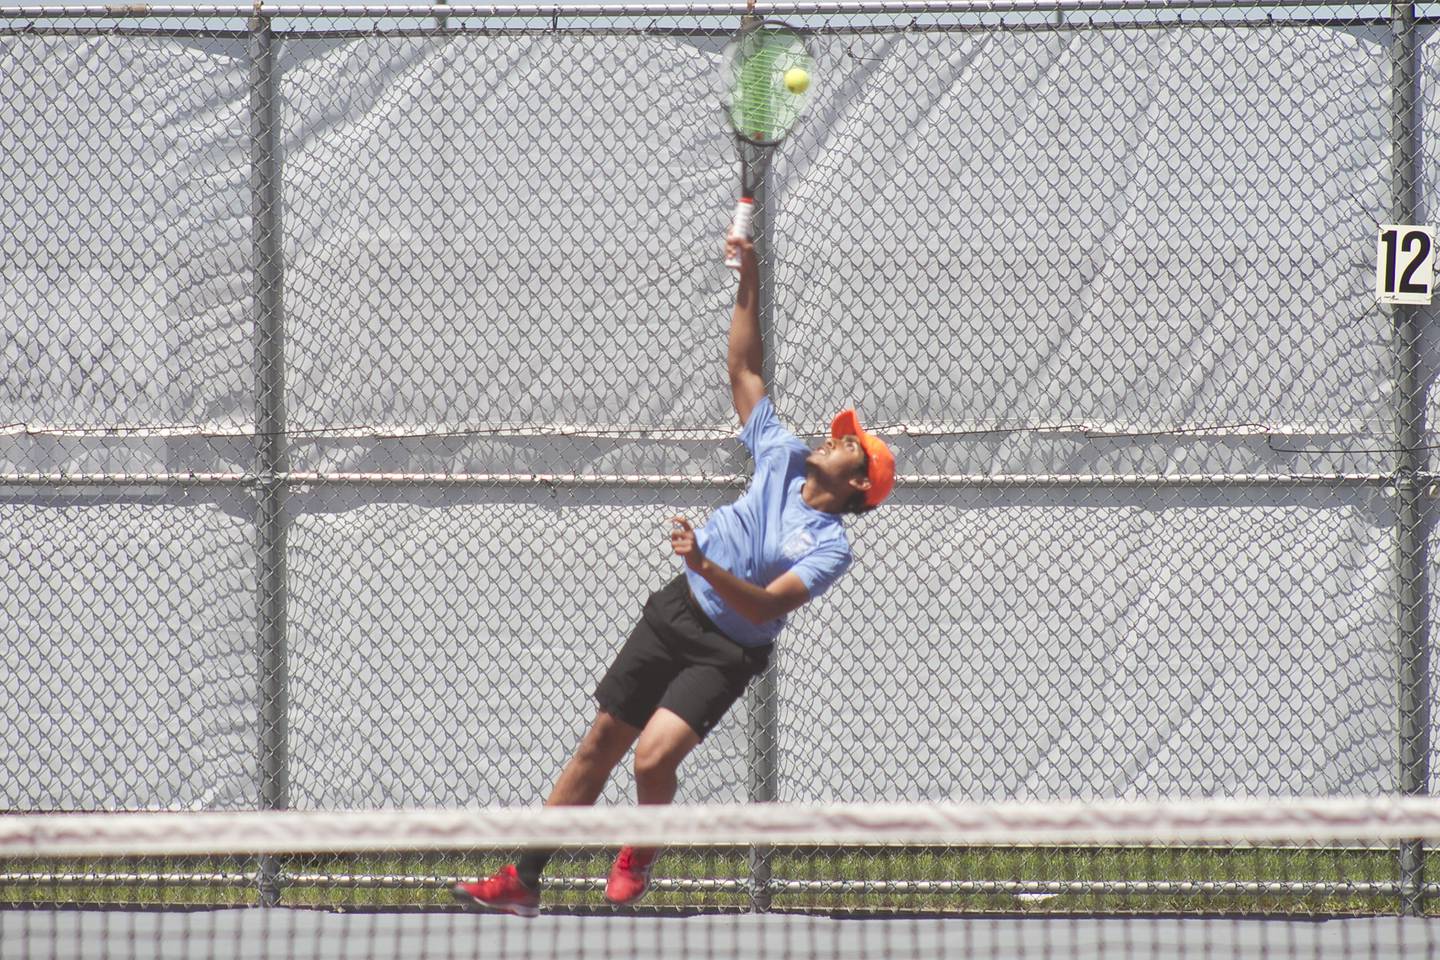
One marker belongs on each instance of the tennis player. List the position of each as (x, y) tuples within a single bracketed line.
[(704, 636)]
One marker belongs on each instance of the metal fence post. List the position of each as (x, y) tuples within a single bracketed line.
[(271, 461), (764, 692), (1410, 512)]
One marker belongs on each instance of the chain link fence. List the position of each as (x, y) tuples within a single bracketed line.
[(356, 359)]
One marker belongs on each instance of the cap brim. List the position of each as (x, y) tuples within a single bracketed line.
[(846, 424)]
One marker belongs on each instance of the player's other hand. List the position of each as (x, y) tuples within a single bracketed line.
[(740, 248), (682, 541)]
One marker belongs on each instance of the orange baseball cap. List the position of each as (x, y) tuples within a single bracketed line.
[(882, 461)]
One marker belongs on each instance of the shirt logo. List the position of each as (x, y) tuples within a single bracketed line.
[(798, 545)]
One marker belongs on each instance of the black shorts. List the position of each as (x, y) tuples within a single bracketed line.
[(677, 659)]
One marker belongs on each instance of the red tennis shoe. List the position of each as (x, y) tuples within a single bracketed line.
[(504, 891), (630, 875)]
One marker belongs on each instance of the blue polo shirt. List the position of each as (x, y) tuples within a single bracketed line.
[(770, 530)]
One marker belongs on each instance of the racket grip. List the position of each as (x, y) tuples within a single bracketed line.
[(740, 227)]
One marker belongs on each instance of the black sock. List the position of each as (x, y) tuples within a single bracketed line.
[(530, 865)]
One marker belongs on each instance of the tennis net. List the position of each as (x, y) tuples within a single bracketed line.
[(1288, 878)]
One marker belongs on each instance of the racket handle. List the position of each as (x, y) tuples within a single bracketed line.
[(740, 227)]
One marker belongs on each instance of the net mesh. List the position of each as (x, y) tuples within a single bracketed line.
[(1272, 879)]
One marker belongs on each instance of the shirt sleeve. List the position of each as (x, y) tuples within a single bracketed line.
[(821, 567), (763, 433)]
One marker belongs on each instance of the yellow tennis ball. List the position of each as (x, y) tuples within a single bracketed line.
[(797, 79)]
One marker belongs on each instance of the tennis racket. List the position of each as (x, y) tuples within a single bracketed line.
[(765, 75)]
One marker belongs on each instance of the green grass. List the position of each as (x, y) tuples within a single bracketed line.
[(422, 880)]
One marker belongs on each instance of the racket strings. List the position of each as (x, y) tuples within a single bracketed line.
[(762, 108)]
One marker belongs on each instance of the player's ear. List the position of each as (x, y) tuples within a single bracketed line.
[(860, 480)]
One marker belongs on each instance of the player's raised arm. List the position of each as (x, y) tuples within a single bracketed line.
[(744, 358)]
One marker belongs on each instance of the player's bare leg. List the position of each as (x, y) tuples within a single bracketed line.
[(587, 772), (665, 742)]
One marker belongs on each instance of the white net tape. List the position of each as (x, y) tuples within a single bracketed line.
[(1157, 823)]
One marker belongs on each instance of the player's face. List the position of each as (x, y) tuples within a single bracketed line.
[(839, 458)]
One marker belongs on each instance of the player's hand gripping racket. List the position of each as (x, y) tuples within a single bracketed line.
[(765, 76)]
